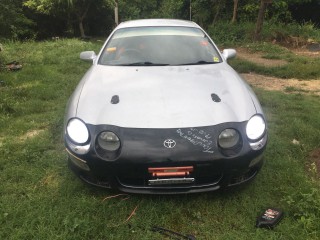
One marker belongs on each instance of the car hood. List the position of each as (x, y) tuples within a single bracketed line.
[(164, 96)]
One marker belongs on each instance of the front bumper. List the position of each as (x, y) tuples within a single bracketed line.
[(144, 149), (203, 183)]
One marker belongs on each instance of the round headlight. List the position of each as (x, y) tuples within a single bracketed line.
[(256, 127), (109, 141), (77, 131), (228, 138)]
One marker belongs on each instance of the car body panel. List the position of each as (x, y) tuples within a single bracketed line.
[(181, 96)]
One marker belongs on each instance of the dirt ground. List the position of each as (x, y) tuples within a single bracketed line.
[(285, 85), (278, 84), (257, 58)]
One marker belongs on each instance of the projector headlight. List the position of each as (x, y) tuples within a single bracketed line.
[(256, 127), (77, 131)]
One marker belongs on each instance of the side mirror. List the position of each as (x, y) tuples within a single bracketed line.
[(88, 56), (229, 53)]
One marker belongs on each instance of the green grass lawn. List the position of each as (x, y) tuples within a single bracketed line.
[(300, 67), (41, 199)]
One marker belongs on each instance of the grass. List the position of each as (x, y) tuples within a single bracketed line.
[(241, 35), (300, 67), (41, 199)]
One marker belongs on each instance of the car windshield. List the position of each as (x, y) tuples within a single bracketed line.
[(159, 46)]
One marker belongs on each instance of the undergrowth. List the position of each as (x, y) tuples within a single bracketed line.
[(226, 33)]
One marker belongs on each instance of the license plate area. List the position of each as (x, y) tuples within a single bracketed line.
[(170, 175)]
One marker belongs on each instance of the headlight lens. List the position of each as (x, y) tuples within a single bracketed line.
[(256, 127), (77, 131), (228, 138), (109, 141)]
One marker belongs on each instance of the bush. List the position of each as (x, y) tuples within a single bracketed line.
[(226, 33)]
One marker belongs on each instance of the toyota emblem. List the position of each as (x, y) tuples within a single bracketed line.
[(169, 143)]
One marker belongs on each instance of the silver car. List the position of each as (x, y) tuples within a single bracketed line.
[(160, 111)]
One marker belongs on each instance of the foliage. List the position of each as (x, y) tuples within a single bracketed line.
[(278, 32), (174, 9), (306, 30), (13, 23), (139, 9), (75, 12), (236, 33), (206, 12), (43, 6), (278, 11), (305, 207), (44, 18)]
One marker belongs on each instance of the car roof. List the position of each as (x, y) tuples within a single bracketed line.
[(157, 23)]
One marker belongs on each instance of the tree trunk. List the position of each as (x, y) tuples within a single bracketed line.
[(235, 11), (81, 28), (217, 14), (116, 13), (259, 24), (81, 16)]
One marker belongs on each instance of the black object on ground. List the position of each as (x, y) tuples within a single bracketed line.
[(269, 218), (172, 234)]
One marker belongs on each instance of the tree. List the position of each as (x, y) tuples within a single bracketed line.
[(116, 12), (206, 12), (235, 11), (281, 4), (13, 23), (219, 5), (138, 9), (175, 9), (80, 9), (72, 10), (262, 10)]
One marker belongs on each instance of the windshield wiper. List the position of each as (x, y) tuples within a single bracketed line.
[(199, 63), (144, 64)]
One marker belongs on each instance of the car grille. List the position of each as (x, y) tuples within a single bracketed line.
[(144, 182)]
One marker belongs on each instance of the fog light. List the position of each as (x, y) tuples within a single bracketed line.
[(78, 149), (78, 162), (260, 144), (109, 141), (228, 138)]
